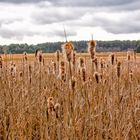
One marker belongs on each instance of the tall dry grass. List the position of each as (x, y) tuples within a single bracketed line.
[(70, 98)]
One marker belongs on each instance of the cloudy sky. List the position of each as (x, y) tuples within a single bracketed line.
[(38, 21)]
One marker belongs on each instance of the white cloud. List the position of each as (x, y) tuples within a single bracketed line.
[(41, 21)]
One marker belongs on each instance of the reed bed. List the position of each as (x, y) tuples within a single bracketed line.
[(69, 96)]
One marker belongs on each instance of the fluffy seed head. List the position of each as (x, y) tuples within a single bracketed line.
[(68, 49)]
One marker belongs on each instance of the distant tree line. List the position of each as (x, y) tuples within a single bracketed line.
[(80, 46)]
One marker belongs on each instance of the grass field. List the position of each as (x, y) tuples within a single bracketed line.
[(70, 96)]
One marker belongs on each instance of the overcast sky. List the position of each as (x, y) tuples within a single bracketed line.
[(38, 21)]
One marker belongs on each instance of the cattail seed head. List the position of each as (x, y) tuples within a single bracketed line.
[(73, 82), (131, 75), (118, 69), (92, 48), (102, 63), (54, 67), (74, 58), (50, 105), (20, 74), (57, 55), (112, 58), (81, 62), (40, 57), (57, 110), (0, 62), (62, 71), (36, 52), (83, 74), (30, 69), (67, 50), (25, 56), (96, 75), (128, 55), (13, 70)]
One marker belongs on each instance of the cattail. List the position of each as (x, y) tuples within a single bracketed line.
[(68, 49), (57, 110), (30, 69), (74, 60), (25, 56), (50, 105), (40, 57), (36, 53), (57, 60), (128, 55), (96, 75), (112, 58), (0, 62), (57, 55), (131, 75), (118, 69), (83, 70), (54, 67), (20, 75), (92, 48), (62, 71), (102, 63), (81, 62), (95, 62), (13, 70), (73, 81)]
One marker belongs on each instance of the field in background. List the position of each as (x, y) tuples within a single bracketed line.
[(47, 98), (51, 55)]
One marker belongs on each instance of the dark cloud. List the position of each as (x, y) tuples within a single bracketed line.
[(20, 1), (55, 15), (91, 2), (128, 23), (15, 34), (78, 3)]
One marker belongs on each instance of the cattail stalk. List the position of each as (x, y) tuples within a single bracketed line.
[(68, 51), (92, 51), (118, 75), (57, 60)]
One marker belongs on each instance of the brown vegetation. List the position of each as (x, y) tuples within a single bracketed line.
[(70, 96)]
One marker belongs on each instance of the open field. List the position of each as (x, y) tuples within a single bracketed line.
[(51, 55), (70, 96)]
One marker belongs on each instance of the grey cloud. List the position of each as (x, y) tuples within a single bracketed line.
[(15, 34), (20, 1), (7, 20), (91, 2), (55, 15), (129, 23)]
